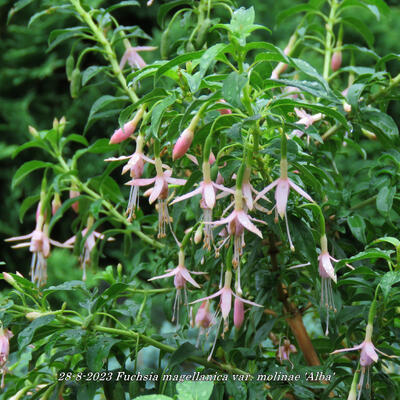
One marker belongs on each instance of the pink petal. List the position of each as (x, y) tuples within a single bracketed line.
[(58, 244), (224, 221), (246, 190), (327, 266), (144, 48), (245, 221), (209, 195), (167, 275), (348, 349), (141, 182), (300, 191), (147, 159), (15, 238), (247, 301), (370, 350), (158, 187), (223, 188), (192, 158), (117, 158), (281, 196), (216, 294), (187, 195), (186, 275), (175, 181), (226, 302), (20, 245), (267, 189)]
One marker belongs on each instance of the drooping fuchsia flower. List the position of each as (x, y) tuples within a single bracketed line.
[(181, 275), (159, 192), (5, 336), (204, 318), (284, 351), (327, 274), (283, 185), (135, 165), (88, 246), (368, 355), (236, 222), (129, 128), (307, 119), (207, 190), (132, 56), (225, 304), (39, 245)]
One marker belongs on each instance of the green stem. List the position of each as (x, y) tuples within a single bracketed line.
[(394, 82), (110, 54), (328, 38)]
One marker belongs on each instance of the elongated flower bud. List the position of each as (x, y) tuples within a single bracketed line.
[(56, 203), (199, 234), (238, 313), (182, 144), (72, 194), (122, 134), (336, 61), (33, 315)]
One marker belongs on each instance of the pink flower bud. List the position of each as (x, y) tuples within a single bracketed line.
[(55, 204), (224, 111), (198, 234), (336, 61), (211, 159), (238, 313), (122, 134), (72, 194), (182, 144)]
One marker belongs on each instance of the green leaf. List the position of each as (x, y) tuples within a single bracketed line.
[(125, 3), (91, 72), (110, 294), (182, 353), (388, 280), (59, 35), (357, 3), (357, 227), (153, 397), (19, 5), (25, 336), (70, 285), (384, 201), (384, 122), (191, 390), (232, 88), (177, 61), (388, 239), (363, 29), (26, 205), (354, 93), (27, 168), (288, 12), (166, 7), (97, 353), (158, 112)]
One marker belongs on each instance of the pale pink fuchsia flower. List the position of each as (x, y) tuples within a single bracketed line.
[(284, 351), (181, 276), (132, 57), (236, 222), (368, 355), (5, 336), (327, 274), (89, 245), (39, 245), (224, 111), (207, 189), (283, 185), (128, 129), (159, 192), (135, 166), (204, 318), (336, 61), (225, 304)]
